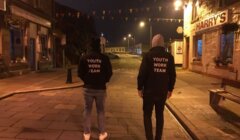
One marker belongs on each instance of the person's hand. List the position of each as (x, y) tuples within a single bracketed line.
[(169, 94), (140, 93)]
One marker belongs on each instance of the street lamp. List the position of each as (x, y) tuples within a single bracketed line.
[(129, 36), (128, 41), (124, 38), (177, 4), (142, 24), (133, 38), (133, 44)]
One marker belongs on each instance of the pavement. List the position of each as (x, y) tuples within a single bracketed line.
[(190, 102), (38, 81)]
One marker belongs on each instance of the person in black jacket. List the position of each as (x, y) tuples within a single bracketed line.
[(95, 70), (156, 80)]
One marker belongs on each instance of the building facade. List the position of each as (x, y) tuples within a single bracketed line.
[(26, 40), (177, 51), (212, 37), (115, 49)]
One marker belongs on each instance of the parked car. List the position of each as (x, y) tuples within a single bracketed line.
[(112, 55)]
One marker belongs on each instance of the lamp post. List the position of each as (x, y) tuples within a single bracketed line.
[(129, 36), (142, 24), (134, 39), (150, 35), (124, 39)]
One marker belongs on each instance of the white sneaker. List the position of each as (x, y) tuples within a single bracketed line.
[(86, 136), (103, 136)]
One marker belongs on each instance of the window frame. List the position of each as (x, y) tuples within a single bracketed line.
[(195, 9), (225, 59), (196, 56), (44, 46)]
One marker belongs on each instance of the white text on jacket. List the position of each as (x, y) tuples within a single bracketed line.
[(160, 64), (94, 65)]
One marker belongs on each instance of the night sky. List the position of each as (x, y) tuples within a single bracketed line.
[(117, 24)]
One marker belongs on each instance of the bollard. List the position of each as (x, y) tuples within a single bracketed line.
[(69, 76)]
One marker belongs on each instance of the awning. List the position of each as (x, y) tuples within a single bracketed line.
[(27, 15)]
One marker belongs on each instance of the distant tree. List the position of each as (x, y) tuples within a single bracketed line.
[(78, 31)]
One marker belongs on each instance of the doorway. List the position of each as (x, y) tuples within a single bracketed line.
[(32, 55), (16, 45), (187, 53)]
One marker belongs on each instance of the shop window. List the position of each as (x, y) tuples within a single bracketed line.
[(43, 41), (16, 46), (198, 49), (226, 48)]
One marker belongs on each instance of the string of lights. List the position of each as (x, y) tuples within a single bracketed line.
[(151, 14), (124, 18)]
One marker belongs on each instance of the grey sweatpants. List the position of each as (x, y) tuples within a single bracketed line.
[(91, 95)]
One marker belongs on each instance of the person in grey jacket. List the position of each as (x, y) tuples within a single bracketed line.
[(156, 80), (95, 70)]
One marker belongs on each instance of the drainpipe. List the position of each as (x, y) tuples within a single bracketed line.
[(236, 74)]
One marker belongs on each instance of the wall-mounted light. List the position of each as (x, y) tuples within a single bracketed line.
[(178, 4)]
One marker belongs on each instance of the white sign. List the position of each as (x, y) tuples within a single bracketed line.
[(3, 5), (212, 21)]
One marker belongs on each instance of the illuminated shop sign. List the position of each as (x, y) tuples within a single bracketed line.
[(3, 5), (212, 21)]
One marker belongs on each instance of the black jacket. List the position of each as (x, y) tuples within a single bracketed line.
[(95, 70), (157, 74)]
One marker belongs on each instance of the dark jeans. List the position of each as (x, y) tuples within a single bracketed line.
[(148, 104)]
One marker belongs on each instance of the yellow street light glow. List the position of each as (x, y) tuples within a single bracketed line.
[(129, 35), (177, 4), (142, 24), (124, 38)]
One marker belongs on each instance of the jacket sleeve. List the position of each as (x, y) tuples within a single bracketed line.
[(172, 74), (108, 69), (81, 68), (142, 74)]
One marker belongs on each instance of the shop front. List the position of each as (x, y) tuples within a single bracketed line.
[(29, 40), (213, 44)]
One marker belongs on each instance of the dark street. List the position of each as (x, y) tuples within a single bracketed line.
[(57, 114), (173, 62)]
